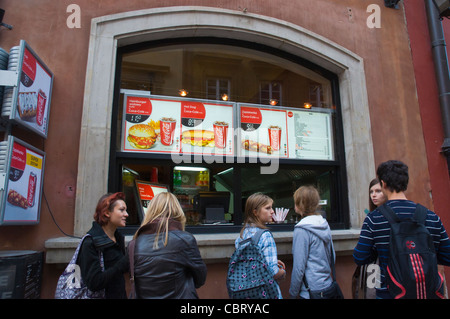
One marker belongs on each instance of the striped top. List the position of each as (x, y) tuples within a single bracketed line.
[(374, 237)]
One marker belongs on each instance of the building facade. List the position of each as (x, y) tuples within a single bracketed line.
[(353, 83)]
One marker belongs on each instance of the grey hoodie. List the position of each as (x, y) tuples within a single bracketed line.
[(311, 256)]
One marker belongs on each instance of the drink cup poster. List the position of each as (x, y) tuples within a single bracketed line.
[(170, 125), (151, 125), (31, 107), (207, 128), (23, 179), (263, 132)]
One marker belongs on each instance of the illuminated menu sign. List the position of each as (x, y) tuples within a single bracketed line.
[(170, 125), (154, 124), (285, 133), (22, 172), (30, 103), (263, 131), (311, 135)]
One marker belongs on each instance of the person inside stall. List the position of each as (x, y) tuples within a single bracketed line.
[(110, 213)]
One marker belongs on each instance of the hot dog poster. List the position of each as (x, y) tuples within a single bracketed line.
[(23, 184), (33, 93), (263, 132), (207, 128), (160, 125)]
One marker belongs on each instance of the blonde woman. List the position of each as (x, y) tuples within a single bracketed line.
[(258, 212), (167, 261)]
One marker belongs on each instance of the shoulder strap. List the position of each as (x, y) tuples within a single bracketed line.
[(257, 236), (389, 213), (254, 238), (420, 214), (131, 257)]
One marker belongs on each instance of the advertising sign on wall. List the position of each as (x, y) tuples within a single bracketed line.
[(21, 171), (169, 125), (30, 101)]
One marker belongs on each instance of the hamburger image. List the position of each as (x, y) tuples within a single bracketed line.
[(198, 138), (141, 136)]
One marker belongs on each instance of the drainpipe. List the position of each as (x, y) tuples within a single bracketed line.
[(439, 50)]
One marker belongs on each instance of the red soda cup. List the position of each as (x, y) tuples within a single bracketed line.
[(275, 137), (31, 194), (40, 108), (220, 134), (167, 130)]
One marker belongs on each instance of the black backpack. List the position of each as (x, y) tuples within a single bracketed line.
[(412, 271), (248, 274)]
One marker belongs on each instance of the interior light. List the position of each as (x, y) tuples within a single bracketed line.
[(225, 97), (273, 102), (307, 106), (189, 168), (183, 92)]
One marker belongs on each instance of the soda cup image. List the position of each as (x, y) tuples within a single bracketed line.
[(167, 130), (220, 134), (40, 108), (275, 137), (31, 193)]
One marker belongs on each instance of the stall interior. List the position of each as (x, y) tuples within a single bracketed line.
[(206, 194)]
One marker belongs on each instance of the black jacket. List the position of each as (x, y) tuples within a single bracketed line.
[(173, 271), (116, 263)]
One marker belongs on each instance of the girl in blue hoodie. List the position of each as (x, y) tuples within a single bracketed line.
[(311, 245)]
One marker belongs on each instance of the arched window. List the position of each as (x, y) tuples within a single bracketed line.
[(247, 76)]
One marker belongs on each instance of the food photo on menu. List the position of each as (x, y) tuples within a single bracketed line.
[(263, 132), (172, 126), (150, 125)]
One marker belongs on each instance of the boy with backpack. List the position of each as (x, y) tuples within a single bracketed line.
[(408, 239)]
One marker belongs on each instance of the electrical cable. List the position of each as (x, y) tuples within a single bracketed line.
[(54, 220)]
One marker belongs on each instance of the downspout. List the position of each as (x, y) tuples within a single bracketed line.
[(439, 50)]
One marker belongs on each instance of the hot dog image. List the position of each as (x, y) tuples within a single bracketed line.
[(254, 146), (198, 138), (141, 136), (17, 199)]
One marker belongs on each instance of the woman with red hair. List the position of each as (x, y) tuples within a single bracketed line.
[(110, 213)]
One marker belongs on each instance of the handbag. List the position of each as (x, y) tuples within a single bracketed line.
[(332, 292), (71, 285)]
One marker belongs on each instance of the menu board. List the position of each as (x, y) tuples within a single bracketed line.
[(23, 171), (311, 135), (169, 125), (31, 97), (285, 132), (263, 131)]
